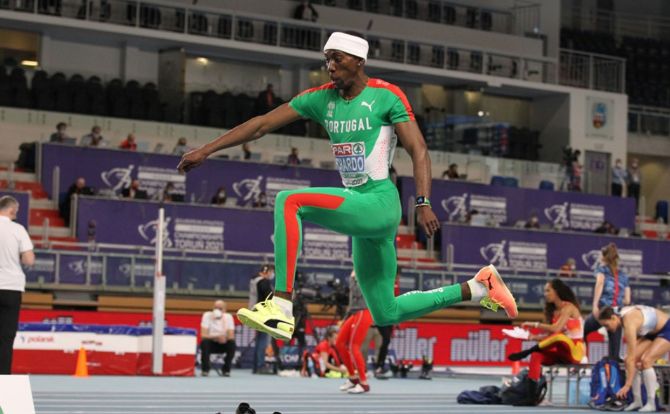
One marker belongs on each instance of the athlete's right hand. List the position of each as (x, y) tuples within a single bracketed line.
[(428, 220), (192, 159)]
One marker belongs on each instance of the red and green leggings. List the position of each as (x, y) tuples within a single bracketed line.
[(370, 214)]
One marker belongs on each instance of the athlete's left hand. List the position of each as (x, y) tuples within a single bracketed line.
[(428, 220), (192, 159)]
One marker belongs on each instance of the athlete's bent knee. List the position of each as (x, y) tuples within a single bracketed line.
[(646, 361), (384, 318)]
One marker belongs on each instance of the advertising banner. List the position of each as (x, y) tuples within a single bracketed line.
[(52, 348), (540, 250), (195, 227), (110, 171), (452, 200), (448, 344)]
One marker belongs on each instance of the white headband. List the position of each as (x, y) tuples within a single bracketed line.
[(347, 43)]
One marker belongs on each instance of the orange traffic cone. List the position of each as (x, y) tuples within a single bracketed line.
[(516, 367), (82, 368)]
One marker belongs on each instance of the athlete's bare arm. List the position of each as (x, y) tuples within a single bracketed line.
[(413, 142), (250, 130)]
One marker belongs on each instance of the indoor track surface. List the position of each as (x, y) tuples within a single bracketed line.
[(266, 394)]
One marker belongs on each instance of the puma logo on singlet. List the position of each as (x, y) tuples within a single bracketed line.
[(368, 105), (490, 284)]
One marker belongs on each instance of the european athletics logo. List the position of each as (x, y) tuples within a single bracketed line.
[(149, 232), (456, 206), (494, 253), (248, 189), (558, 215), (117, 178)]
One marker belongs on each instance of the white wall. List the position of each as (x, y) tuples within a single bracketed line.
[(655, 183), (653, 145), (58, 54), (104, 58), (236, 77), (580, 114)]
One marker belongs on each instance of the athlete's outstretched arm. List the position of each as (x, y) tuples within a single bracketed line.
[(413, 142), (250, 130)]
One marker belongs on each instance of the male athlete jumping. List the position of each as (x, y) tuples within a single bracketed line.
[(360, 115)]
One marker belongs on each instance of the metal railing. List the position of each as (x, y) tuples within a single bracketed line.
[(294, 34), (592, 71), (649, 120), (653, 26), (520, 19), (130, 269)]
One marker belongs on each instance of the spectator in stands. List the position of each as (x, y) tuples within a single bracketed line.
[(568, 268), (220, 197), (533, 222), (260, 289), (16, 249), (472, 217), (576, 172), (451, 173), (181, 148), (306, 11), (266, 100), (293, 158), (246, 151), (324, 358), (612, 289), (78, 187), (217, 331), (93, 138), (606, 228), (634, 181), (134, 191), (129, 143), (169, 193), (619, 178), (60, 135), (261, 201)]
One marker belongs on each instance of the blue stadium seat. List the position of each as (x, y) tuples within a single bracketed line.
[(511, 182), (546, 185), (498, 180)]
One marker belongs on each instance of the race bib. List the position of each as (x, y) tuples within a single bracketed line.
[(350, 161)]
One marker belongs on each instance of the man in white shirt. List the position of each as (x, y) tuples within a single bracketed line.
[(217, 333), (15, 249)]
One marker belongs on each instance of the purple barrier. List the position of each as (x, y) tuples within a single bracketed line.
[(577, 211), (23, 197), (195, 227), (113, 170), (540, 250)]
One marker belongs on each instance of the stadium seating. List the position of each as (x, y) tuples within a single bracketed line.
[(546, 185), (647, 62)]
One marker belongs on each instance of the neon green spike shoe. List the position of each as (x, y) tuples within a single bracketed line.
[(267, 317)]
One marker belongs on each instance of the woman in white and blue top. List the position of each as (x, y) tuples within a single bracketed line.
[(612, 289), (647, 332)]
